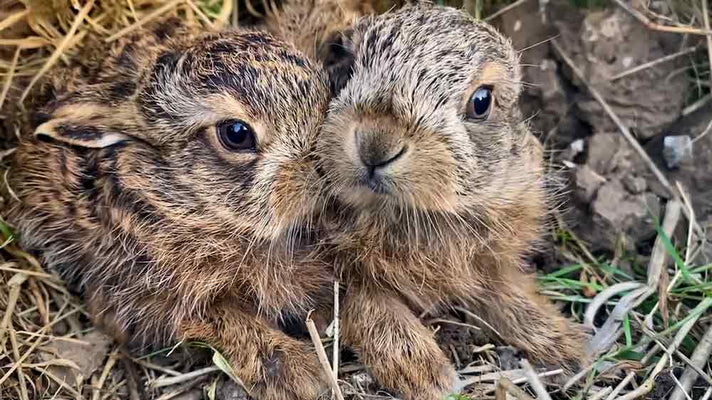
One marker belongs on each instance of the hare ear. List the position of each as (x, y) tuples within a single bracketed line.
[(84, 125), (337, 56)]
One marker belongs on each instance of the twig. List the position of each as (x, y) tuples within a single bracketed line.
[(602, 393), (602, 298), (200, 14), (657, 27), (132, 378), (706, 19), (517, 376), (447, 321), (611, 329), (22, 359), (500, 391), (534, 381), (505, 385), (649, 383), (337, 316), (504, 10), (15, 284), (96, 389), (63, 45), (161, 382), (701, 102), (148, 18), (455, 357), (694, 367), (20, 374), (149, 365), (708, 394), (251, 9), (478, 318), (659, 254), (650, 354), (61, 382), (132, 9), (653, 63), (691, 212), (321, 354), (706, 131), (476, 369), (56, 338), (224, 14), (29, 42), (181, 389), (678, 384), (471, 9), (11, 19), (9, 76), (578, 376), (8, 268), (699, 357), (42, 309)]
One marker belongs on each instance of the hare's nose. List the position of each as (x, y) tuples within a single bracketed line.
[(375, 150)]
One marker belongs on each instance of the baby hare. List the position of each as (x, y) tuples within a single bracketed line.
[(169, 179), (438, 193)]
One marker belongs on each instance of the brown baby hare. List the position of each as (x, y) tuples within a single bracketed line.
[(169, 179), (438, 195)]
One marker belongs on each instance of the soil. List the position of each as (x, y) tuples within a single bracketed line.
[(613, 194)]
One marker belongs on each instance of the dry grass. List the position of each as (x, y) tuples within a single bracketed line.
[(652, 320)]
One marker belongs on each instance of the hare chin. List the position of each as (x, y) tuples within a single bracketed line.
[(366, 198)]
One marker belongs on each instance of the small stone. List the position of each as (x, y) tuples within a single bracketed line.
[(575, 148), (87, 355), (60, 328), (602, 151), (615, 211), (587, 183), (229, 390), (635, 184), (509, 357), (676, 150), (362, 378), (194, 394)]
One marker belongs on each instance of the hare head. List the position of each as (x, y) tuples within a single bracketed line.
[(214, 130), (428, 121)]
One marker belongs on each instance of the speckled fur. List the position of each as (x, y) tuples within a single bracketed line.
[(464, 205), (125, 192), (318, 28)]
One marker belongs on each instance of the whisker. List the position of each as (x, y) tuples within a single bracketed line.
[(539, 43)]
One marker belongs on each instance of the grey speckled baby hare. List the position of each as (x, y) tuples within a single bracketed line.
[(438, 194)]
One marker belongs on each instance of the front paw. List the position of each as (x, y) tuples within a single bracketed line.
[(416, 372), (292, 373), (565, 351)]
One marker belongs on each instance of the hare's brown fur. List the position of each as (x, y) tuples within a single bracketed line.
[(457, 211), (318, 28), (125, 193)]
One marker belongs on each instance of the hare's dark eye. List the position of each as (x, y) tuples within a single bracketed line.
[(236, 135), (480, 103)]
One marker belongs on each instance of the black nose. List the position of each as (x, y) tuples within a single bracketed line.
[(380, 159), (376, 151)]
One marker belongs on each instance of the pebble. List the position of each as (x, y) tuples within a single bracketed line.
[(676, 150)]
